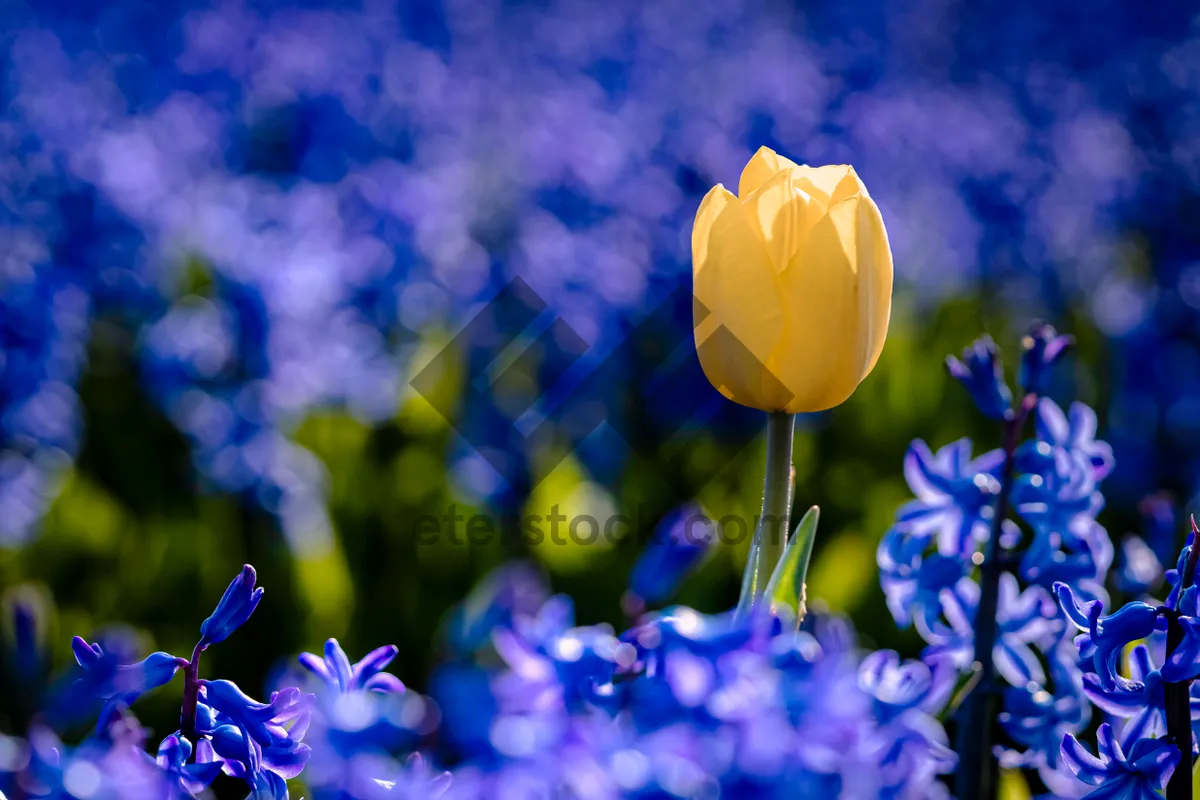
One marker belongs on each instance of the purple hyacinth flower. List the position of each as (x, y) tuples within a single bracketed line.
[(980, 371), (234, 608)]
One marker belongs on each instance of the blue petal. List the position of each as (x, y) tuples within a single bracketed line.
[(1078, 613), (1087, 767), (234, 608), (1184, 662)]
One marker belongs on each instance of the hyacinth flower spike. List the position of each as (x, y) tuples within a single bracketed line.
[(233, 610), (221, 728), (981, 373)]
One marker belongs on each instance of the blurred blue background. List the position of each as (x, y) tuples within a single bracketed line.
[(250, 255)]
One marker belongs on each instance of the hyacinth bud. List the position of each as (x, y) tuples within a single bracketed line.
[(680, 542), (980, 372), (1041, 349), (235, 607), (792, 284)]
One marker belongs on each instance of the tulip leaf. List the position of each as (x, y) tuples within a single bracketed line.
[(786, 587), (751, 582)]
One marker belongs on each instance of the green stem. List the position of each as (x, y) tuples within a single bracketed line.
[(771, 532)]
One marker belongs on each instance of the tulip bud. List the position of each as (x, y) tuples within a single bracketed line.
[(792, 285)]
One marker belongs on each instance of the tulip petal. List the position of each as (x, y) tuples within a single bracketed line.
[(838, 291), (738, 313), (761, 166), (783, 214), (875, 260), (830, 184)]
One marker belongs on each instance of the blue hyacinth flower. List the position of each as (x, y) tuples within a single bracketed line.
[(242, 755), (188, 779), (1186, 604), (913, 582), (1038, 718), (1041, 349), (1024, 620), (263, 722), (899, 687), (342, 677), (1139, 699), (1138, 776), (234, 608), (1058, 487), (102, 677), (954, 495), (1073, 433), (980, 371), (678, 544), (1106, 637)]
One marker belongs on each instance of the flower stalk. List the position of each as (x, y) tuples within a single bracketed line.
[(191, 694), (1177, 694), (977, 773), (771, 532)]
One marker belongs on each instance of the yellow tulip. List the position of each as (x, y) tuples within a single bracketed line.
[(792, 285)]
